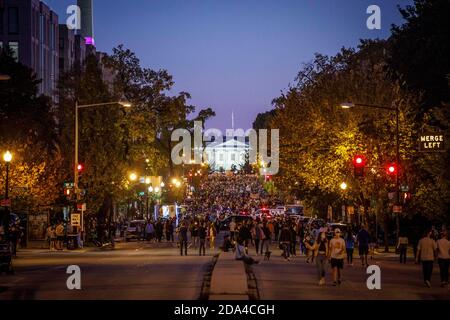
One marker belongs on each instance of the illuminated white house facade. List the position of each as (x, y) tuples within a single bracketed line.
[(224, 155)]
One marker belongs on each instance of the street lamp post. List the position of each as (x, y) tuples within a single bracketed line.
[(77, 107), (7, 157), (349, 105)]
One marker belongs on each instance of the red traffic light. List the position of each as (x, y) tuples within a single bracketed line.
[(359, 161), (80, 167), (392, 169)]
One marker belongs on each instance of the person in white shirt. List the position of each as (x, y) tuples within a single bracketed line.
[(426, 251), (337, 254), (443, 250)]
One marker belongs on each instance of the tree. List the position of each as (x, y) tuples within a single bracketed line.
[(319, 139), (420, 50), (27, 125)]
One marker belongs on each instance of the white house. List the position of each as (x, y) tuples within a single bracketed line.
[(223, 155)]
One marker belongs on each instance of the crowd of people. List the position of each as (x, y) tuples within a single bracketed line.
[(229, 193)]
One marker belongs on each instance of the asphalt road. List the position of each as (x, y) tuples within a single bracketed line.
[(297, 280), (134, 271), (138, 271)]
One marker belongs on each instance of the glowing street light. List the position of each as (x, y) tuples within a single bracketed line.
[(7, 156), (157, 189), (133, 177), (148, 180), (343, 186), (162, 185), (150, 189)]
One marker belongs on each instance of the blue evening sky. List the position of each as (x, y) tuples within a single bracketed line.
[(233, 54)]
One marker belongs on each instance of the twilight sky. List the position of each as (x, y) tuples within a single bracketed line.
[(233, 54)]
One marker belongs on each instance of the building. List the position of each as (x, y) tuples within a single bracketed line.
[(66, 49), (87, 21), (226, 154), (29, 28)]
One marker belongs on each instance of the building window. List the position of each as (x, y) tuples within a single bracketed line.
[(233, 157), (1, 20), (13, 20), (14, 48), (221, 157)]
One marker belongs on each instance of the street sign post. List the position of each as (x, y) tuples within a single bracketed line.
[(75, 219)]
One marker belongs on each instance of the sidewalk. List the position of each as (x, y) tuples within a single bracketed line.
[(229, 279)]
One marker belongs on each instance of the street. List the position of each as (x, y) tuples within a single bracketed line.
[(141, 271), (133, 271), (297, 280)]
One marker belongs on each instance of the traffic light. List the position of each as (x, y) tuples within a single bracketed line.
[(359, 163), (392, 169), (80, 168), (67, 192)]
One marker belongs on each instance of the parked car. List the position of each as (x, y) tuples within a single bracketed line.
[(294, 210), (132, 229)]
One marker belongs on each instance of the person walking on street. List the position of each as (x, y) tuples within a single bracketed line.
[(363, 239), (51, 237), (426, 251), (149, 231), (245, 235), (183, 238), (443, 249), (337, 255), (59, 231), (285, 242), (265, 245), (194, 234), (350, 247), (169, 231), (309, 245), (301, 235), (402, 247), (258, 235), (271, 229), (321, 254), (232, 230), (212, 236), (293, 240), (202, 239)]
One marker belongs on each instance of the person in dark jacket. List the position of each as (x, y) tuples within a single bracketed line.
[(293, 248), (183, 238), (265, 245), (202, 233), (285, 242), (159, 230), (245, 235)]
